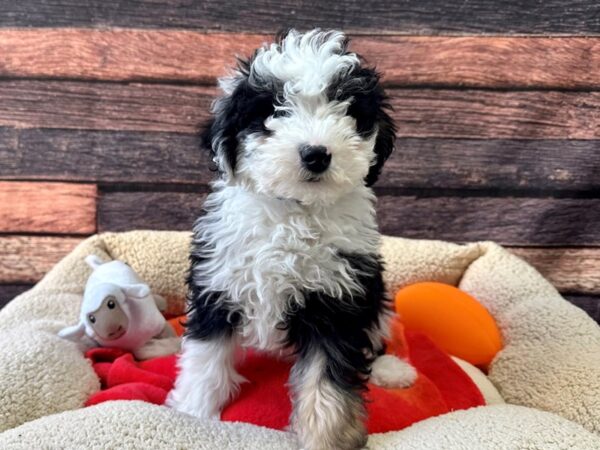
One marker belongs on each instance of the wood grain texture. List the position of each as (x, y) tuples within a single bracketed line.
[(80, 105), (388, 16), (419, 113), (123, 55), (571, 270), (26, 259), (508, 220), (47, 208), (500, 62), (10, 291), (511, 221), (123, 211), (172, 158), (590, 304), (508, 164), (103, 156), (138, 55), (489, 114)]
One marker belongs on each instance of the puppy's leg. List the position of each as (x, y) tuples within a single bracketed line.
[(328, 409), (207, 378)]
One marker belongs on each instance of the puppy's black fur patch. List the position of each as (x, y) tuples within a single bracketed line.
[(337, 327), (244, 111), (208, 318), (369, 107)]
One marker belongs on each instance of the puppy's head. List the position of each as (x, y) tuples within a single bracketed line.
[(302, 120)]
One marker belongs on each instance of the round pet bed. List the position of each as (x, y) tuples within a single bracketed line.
[(548, 370)]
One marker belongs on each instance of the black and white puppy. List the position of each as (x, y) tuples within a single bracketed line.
[(286, 255)]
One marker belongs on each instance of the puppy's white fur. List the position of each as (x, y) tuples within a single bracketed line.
[(207, 379), (266, 253)]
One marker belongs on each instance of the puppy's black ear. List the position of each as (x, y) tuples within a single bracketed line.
[(369, 107), (241, 110), (384, 143), (220, 135)]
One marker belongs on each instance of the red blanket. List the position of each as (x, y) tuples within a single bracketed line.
[(440, 387)]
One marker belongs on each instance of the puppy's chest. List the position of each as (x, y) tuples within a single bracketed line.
[(270, 269), (270, 275)]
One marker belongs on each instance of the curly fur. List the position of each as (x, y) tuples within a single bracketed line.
[(283, 258)]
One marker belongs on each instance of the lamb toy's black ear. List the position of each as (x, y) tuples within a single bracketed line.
[(384, 143)]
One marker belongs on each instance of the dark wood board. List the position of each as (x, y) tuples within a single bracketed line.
[(172, 158), (107, 156), (507, 220), (103, 106), (176, 55), (572, 270), (419, 113), (389, 16), (589, 304), (512, 221), (496, 164), (10, 291), (121, 211)]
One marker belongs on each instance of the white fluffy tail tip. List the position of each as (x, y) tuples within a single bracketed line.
[(389, 371), (93, 261)]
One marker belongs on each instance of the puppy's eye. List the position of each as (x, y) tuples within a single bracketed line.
[(281, 113), (111, 304), (92, 318)]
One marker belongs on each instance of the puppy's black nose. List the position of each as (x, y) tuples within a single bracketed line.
[(315, 158)]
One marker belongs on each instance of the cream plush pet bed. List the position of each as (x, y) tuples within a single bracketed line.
[(548, 371)]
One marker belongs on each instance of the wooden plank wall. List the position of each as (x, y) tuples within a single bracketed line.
[(497, 104)]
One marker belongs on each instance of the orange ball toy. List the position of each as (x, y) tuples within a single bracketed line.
[(452, 319)]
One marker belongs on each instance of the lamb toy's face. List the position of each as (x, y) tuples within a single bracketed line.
[(109, 321)]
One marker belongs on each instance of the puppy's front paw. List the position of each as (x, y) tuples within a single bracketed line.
[(389, 371), (188, 404)]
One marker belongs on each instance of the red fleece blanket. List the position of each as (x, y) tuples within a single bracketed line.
[(441, 386)]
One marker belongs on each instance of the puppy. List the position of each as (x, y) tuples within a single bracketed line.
[(286, 256)]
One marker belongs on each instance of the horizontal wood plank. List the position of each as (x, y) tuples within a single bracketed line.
[(152, 210), (103, 106), (511, 221), (10, 291), (388, 16), (103, 156), (182, 55), (154, 157), (28, 207), (26, 259), (571, 270), (590, 304), (499, 62), (509, 164), (122, 55), (490, 114), (418, 113), (507, 220)]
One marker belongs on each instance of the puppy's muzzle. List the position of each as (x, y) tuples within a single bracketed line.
[(315, 158)]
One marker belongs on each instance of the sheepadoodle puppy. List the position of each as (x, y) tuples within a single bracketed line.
[(286, 257)]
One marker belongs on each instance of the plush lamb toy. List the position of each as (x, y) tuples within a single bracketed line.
[(119, 310)]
